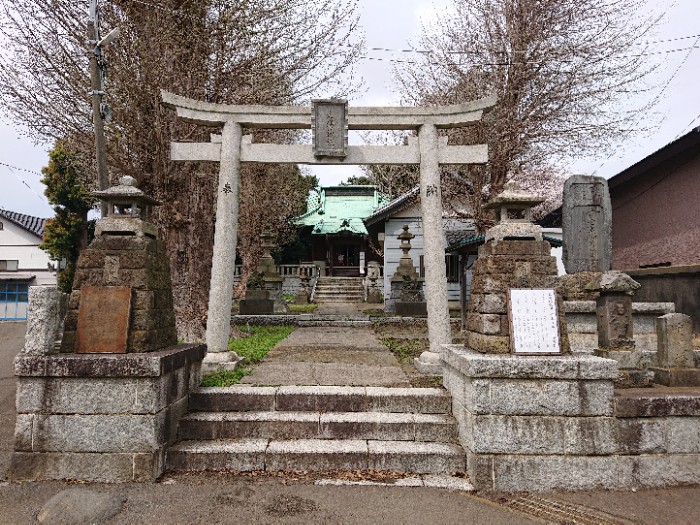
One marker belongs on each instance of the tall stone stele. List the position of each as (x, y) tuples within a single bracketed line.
[(514, 256), (586, 225), (587, 235), (122, 294)]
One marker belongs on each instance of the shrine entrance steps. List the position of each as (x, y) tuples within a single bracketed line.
[(339, 290), (318, 428)]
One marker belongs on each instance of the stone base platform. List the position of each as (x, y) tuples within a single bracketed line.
[(100, 417), (542, 423)]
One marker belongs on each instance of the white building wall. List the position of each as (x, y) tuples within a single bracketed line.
[(17, 244), (392, 251)]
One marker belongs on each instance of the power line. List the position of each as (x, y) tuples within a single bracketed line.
[(655, 100), (11, 167), (425, 51), (511, 62), (13, 170)]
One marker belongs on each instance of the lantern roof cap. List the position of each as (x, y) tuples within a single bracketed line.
[(513, 195), (126, 190)]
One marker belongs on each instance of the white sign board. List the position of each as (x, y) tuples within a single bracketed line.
[(534, 321), (362, 263)]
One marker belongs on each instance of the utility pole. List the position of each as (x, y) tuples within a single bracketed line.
[(97, 91)]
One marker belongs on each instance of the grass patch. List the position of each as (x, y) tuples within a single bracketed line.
[(302, 308), (405, 349), (426, 382), (225, 377), (376, 312), (256, 342)]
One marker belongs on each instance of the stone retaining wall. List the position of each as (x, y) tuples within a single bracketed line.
[(583, 329), (541, 423), (100, 417)]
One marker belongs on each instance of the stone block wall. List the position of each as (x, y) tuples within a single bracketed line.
[(583, 328), (540, 423), (100, 417), (140, 263), (501, 266)]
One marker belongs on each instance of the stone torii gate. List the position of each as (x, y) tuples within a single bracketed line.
[(330, 121)]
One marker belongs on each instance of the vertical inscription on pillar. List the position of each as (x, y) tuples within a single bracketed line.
[(329, 128)]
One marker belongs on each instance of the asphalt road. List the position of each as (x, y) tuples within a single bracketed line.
[(214, 498)]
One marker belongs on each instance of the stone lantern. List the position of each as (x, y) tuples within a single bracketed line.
[(514, 256), (267, 264), (128, 210), (406, 285), (514, 215), (406, 262), (122, 299)]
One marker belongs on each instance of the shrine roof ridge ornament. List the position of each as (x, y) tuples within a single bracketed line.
[(299, 117)]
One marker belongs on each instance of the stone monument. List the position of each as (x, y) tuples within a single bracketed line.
[(586, 225), (374, 291), (105, 407), (122, 297), (676, 358), (268, 267), (514, 256)]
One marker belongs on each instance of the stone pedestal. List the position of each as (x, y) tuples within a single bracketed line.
[(256, 306), (676, 367), (302, 297), (411, 308), (530, 423), (503, 265), (548, 423), (100, 417), (135, 261)]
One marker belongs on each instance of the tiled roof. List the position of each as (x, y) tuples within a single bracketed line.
[(471, 240), (455, 236), (399, 203), (337, 209), (33, 225)]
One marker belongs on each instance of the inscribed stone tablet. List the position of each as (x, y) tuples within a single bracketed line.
[(330, 128), (587, 225), (103, 319), (534, 321)]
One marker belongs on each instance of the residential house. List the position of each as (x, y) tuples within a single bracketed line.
[(656, 224), (22, 262)]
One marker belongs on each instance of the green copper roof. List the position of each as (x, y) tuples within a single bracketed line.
[(337, 209)]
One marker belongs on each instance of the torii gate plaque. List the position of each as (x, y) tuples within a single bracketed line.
[(232, 148)]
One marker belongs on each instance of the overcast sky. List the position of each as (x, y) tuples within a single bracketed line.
[(392, 24)]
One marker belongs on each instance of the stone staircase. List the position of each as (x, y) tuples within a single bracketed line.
[(339, 290), (318, 428)]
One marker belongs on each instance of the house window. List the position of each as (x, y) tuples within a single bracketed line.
[(1, 226), (9, 266), (451, 268), (14, 297)]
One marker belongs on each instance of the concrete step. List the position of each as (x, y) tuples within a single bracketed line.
[(318, 425), (335, 323), (358, 293), (316, 454), (338, 299), (241, 398)]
